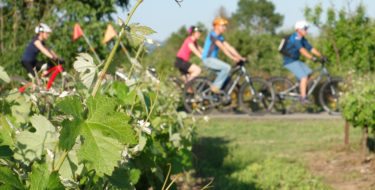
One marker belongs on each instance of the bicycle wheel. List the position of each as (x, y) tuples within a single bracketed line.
[(329, 95), (280, 85), (197, 96), (256, 96)]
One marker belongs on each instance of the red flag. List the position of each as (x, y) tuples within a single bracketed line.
[(77, 32), (109, 34)]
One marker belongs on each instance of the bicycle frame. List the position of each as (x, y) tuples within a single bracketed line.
[(323, 72), (54, 71)]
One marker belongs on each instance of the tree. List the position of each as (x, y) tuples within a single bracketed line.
[(346, 37), (258, 15)]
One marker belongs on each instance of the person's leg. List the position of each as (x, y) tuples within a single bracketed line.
[(194, 71), (220, 66), (301, 71), (303, 86), (29, 66)]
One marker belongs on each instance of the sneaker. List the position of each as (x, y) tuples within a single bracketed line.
[(304, 100), (215, 90)]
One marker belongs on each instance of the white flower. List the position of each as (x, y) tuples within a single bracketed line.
[(44, 67), (206, 118), (162, 126), (33, 98), (144, 126), (63, 94), (50, 153)]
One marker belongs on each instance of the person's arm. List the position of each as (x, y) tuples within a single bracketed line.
[(316, 52), (195, 50), (44, 50), (53, 53), (226, 51), (233, 51)]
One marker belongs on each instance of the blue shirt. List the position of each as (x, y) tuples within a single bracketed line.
[(295, 43), (210, 49), (31, 51)]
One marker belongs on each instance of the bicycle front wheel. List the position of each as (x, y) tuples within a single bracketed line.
[(256, 96), (329, 95), (197, 96)]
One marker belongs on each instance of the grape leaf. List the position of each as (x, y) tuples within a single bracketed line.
[(3, 75), (40, 178), (98, 152), (71, 105), (7, 177), (84, 64), (102, 116), (6, 132), (31, 145)]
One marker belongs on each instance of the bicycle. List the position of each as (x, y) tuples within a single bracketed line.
[(54, 71), (329, 92), (240, 91)]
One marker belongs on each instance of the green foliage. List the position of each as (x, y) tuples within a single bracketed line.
[(40, 179), (258, 16), (358, 104), (346, 38), (278, 174), (9, 180), (21, 17)]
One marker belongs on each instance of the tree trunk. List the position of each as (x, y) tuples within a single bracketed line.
[(364, 143), (1, 30), (346, 131)]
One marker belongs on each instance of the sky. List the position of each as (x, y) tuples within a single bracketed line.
[(166, 16)]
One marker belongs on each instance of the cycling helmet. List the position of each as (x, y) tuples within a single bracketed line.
[(193, 29), (220, 21), (42, 28), (301, 25)]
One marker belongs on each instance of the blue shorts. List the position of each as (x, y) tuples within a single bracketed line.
[(299, 69)]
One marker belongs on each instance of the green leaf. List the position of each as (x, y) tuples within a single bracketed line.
[(98, 152), (102, 116), (71, 105), (6, 131), (31, 145), (40, 178), (84, 64), (21, 109), (71, 167), (3, 75), (5, 151), (7, 177), (138, 33), (69, 134), (124, 179), (120, 88)]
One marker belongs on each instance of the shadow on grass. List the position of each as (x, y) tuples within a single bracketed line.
[(371, 144), (209, 163)]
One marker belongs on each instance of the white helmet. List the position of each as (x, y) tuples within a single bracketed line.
[(301, 25), (42, 28)]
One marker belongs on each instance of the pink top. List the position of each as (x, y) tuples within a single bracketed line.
[(184, 52)]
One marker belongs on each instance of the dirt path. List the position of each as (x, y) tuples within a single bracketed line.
[(343, 169)]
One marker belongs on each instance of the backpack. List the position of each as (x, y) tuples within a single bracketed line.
[(283, 46)]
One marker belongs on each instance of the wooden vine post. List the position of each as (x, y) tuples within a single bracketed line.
[(346, 134)]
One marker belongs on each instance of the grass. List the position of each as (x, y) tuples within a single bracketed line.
[(264, 154)]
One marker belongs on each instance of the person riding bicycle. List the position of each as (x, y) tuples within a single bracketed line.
[(37, 44), (190, 44), (296, 45), (213, 43)]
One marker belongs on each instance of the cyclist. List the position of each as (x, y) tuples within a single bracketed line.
[(183, 56), (297, 45), (213, 43), (29, 58)]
